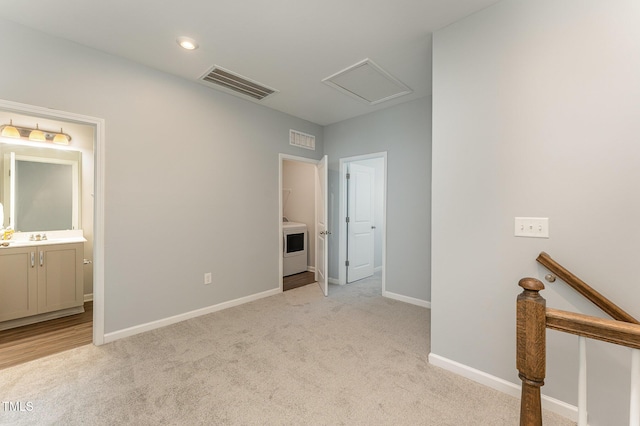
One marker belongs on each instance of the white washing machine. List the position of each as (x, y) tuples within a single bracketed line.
[(295, 248)]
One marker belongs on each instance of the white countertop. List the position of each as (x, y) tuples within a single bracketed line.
[(24, 239)]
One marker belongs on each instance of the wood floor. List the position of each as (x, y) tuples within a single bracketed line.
[(29, 342), (298, 280)]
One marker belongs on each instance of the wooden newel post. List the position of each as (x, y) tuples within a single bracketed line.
[(531, 349)]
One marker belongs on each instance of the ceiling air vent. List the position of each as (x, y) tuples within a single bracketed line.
[(302, 140), (221, 78), (367, 82)]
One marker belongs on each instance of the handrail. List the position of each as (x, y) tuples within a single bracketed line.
[(584, 289), (533, 318), (612, 331)]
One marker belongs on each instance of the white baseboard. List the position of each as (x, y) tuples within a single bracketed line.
[(377, 269), (407, 299), (548, 403), (115, 335), (88, 297), (311, 268), (334, 281)]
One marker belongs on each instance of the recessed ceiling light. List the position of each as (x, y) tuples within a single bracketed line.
[(187, 43)]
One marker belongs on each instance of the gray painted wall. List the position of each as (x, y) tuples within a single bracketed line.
[(191, 175), (535, 113), (404, 131)]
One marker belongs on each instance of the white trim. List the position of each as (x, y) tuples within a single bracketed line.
[(120, 334), (88, 297), (334, 281), (98, 235), (342, 213), (407, 299), (311, 268), (548, 403), (280, 234), (98, 199), (377, 269)]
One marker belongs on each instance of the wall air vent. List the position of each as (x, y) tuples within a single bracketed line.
[(220, 78), (302, 140), (367, 82)]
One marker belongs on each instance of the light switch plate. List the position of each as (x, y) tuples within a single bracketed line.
[(533, 227)]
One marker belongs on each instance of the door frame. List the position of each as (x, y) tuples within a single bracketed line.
[(98, 200), (342, 208), (281, 159)]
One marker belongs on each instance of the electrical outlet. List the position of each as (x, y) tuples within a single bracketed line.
[(533, 227), (207, 278)]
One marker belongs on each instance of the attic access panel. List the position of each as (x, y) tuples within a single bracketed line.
[(367, 82)]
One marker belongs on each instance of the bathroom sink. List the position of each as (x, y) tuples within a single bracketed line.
[(26, 239), (27, 243)]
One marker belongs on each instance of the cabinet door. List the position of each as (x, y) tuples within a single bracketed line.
[(60, 279), (18, 283)]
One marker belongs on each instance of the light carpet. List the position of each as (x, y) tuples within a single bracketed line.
[(353, 358)]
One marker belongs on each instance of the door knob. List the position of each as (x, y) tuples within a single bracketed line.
[(373, 227)]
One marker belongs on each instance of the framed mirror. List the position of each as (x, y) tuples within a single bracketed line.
[(40, 188)]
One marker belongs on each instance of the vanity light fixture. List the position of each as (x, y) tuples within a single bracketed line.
[(37, 135), (187, 43), (61, 138), (9, 131)]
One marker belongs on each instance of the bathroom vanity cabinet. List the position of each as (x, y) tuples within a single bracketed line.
[(40, 282)]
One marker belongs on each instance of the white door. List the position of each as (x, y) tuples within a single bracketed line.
[(361, 225), (322, 229)]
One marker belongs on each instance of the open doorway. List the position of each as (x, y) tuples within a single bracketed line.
[(302, 211), (362, 209), (87, 141)]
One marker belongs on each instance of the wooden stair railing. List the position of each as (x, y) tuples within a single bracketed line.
[(531, 349), (613, 310), (533, 318), (612, 331)]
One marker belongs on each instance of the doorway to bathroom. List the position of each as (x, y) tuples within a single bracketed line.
[(86, 140)]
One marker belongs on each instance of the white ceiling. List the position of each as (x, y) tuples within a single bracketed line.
[(290, 45)]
